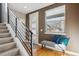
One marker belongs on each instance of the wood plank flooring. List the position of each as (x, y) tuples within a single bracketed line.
[(47, 52)]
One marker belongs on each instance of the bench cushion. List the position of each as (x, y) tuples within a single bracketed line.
[(48, 43), (58, 47)]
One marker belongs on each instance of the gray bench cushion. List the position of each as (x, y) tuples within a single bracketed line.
[(48, 43)]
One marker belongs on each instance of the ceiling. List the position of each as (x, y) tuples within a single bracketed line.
[(27, 7)]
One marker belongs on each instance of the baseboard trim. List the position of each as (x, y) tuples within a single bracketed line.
[(70, 53)]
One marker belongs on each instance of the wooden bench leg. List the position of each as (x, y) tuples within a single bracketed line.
[(63, 52), (43, 45)]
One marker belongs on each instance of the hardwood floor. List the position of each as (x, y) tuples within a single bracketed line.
[(46, 52)]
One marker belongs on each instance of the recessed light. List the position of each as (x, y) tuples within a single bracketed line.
[(25, 6)]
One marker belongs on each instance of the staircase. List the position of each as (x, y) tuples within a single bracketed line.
[(7, 44)]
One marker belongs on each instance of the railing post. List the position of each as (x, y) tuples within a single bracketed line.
[(31, 44), (16, 26), (7, 15)]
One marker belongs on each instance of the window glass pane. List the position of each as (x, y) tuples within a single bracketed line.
[(55, 20)]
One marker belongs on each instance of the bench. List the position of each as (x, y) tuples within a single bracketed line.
[(54, 46)]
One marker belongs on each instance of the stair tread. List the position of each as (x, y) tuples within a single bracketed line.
[(5, 35), (3, 26), (2, 23), (4, 47), (5, 40), (7, 44), (11, 52)]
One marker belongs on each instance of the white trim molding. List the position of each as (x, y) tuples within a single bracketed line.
[(70, 53)]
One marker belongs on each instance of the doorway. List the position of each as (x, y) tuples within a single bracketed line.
[(33, 23)]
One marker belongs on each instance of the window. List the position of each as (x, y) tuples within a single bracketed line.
[(55, 20)]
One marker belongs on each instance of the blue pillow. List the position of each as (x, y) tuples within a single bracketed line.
[(56, 39), (59, 39), (64, 40)]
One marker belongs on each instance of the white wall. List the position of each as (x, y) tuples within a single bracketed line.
[(20, 15), (72, 27)]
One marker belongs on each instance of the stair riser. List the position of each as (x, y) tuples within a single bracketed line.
[(10, 53), (2, 24), (3, 27), (4, 31), (5, 35), (6, 47)]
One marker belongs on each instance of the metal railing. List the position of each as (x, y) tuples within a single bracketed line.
[(21, 31)]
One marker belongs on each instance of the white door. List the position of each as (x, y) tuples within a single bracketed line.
[(33, 19)]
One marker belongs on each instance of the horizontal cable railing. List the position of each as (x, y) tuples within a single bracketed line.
[(21, 31)]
